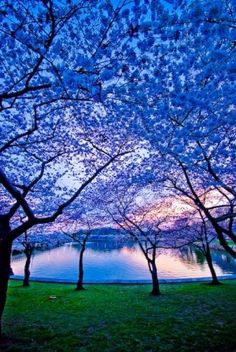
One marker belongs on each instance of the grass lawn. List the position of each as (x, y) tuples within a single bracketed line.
[(116, 318)]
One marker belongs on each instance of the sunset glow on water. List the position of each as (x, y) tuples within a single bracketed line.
[(107, 262)]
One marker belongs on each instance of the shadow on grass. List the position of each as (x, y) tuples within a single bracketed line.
[(7, 343)]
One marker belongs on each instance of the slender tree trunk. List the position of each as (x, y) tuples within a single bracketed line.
[(5, 267), (223, 242), (215, 280), (155, 281), (79, 285), (28, 253)]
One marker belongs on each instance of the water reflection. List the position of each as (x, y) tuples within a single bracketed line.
[(114, 260), (107, 246), (220, 258)]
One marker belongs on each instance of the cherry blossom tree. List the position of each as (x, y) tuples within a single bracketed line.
[(191, 122), (78, 226), (82, 79), (198, 234), (204, 236), (36, 239), (146, 221), (81, 237), (65, 82), (28, 250), (220, 205)]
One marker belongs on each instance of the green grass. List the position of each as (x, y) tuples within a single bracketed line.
[(116, 318)]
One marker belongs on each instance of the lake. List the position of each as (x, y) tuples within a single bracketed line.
[(106, 261)]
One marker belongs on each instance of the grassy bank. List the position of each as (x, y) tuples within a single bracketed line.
[(186, 317)]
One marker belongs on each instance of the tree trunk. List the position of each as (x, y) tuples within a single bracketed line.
[(223, 241), (79, 285), (28, 253), (5, 267), (155, 282), (215, 280)]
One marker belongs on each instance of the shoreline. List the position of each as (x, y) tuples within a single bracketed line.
[(125, 282)]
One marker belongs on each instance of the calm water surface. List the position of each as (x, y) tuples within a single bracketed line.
[(106, 261)]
